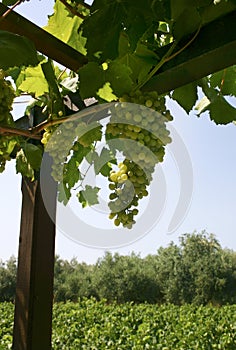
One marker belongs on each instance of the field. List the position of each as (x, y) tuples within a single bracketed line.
[(91, 325)]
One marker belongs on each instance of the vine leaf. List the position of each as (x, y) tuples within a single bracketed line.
[(188, 22), (101, 162), (28, 159), (91, 79), (16, 50), (225, 81), (102, 30), (71, 173), (140, 62), (89, 196), (65, 27), (118, 75), (32, 80), (161, 9), (55, 96), (106, 93), (221, 112), (9, 2), (33, 154), (186, 96), (64, 193), (23, 166)]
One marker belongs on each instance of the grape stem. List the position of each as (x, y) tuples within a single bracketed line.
[(167, 57)]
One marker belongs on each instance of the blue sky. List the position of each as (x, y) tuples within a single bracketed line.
[(212, 150)]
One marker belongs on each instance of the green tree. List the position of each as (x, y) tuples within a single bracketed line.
[(125, 278), (167, 270), (202, 271), (8, 280)]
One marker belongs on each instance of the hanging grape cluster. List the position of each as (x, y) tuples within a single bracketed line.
[(69, 137), (7, 95), (143, 135), (61, 142)]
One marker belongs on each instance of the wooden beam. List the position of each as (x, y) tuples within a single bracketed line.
[(34, 291), (43, 41), (213, 49)]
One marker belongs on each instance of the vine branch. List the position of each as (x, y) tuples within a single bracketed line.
[(15, 131)]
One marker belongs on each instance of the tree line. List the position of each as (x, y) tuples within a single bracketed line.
[(196, 271)]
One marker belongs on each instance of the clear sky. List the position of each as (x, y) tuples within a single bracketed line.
[(212, 151)]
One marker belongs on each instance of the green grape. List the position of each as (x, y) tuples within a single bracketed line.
[(71, 137), (142, 124)]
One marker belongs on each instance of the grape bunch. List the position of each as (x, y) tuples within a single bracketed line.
[(139, 122), (60, 141), (7, 96)]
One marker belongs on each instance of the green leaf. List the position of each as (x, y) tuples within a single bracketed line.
[(135, 28), (71, 173), (94, 134), (186, 96), (16, 50), (105, 170), (118, 75), (9, 2), (81, 199), (92, 78), (124, 45), (34, 81), (11, 145), (187, 23), (65, 27), (23, 166), (106, 93), (80, 152), (33, 154), (64, 193), (225, 80), (140, 62), (213, 11), (89, 196), (221, 112), (91, 156), (54, 92), (102, 160), (102, 30), (161, 9)]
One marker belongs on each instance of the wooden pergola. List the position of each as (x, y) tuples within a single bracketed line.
[(213, 49)]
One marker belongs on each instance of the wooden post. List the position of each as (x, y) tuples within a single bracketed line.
[(34, 291)]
